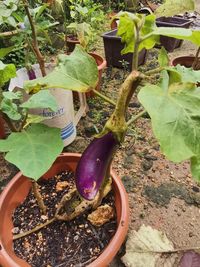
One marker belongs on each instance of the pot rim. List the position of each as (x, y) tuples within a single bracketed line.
[(101, 59), (115, 243)]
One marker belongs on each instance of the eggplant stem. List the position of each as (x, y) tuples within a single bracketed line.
[(38, 197), (84, 204)]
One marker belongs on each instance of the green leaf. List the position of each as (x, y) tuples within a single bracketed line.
[(163, 58), (5, 51), (187, 74), (32, 118), (42, 99), (175, 118), (30, 151), (6, 72), (126, 32), (148, 27), (10, 109), (171, 7), (77, 72), (12, 95)]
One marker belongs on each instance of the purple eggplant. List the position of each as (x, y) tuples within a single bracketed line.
[(31, 74), (93, 165)]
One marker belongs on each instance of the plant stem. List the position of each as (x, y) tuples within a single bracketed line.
[(104, 97), (136, 48), (196, 63), (38, 197), (37, 228), (154, 71), (10, 124), (10, 33), (35, 45), (136, 117)]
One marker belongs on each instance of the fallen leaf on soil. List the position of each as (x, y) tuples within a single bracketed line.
[(61, 185), (190, 259), (101, 215), (144, 248)]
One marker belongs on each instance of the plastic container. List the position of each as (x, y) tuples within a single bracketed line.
[(170, 43), (113, 47), (17, 190), (65, 117)]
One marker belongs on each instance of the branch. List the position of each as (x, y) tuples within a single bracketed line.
[(10, 33), (136, 117), (37, 228), (38, 197), (104, 97), (35, 45)]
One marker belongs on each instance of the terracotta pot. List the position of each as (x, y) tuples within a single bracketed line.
[(2, 128), (17, 190), (113, 24), (183, 61), (71, 42), (101, 63)]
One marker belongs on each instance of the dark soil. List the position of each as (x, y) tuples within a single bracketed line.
[(61, 244)]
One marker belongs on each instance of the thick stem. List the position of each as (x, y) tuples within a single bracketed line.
[(117, 123), (35, 45), (38, 197)]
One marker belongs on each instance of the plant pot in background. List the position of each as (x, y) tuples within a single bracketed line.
[(17, 190), (170, 43), (71, 41), (2, 128), (101, 64), (185, 61), (113, 47)]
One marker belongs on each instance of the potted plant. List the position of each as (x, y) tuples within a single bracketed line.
[(29, 132), (188, 61), (174, 114)]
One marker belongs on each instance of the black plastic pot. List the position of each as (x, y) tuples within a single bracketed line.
[(113, 47), (168, 42)]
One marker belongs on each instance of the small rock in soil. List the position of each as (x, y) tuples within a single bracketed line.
[(147, 165), (134, 105), (129, 183), (90, 131), (150, 157)]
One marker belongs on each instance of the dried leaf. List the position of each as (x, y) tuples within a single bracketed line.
[(190, 259), (144, 248)]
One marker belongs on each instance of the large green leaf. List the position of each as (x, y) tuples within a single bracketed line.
[(171, 7), (179, 33), (42, 99), (33, 150), (175, 115), (77, 71), (6, 72)]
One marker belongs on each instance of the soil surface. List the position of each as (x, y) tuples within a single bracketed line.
[(161, 194), (74, 243)]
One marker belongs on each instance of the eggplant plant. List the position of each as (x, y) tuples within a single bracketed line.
[(173, 105)]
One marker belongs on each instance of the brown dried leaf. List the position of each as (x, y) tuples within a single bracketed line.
[(101, 215)]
